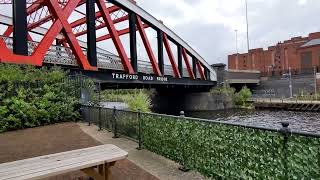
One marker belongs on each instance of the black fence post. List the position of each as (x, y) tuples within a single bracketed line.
[(89, 115), (115, 126), (184, 167), (285, 131), (99, 96), (100, 120), (140, 130)]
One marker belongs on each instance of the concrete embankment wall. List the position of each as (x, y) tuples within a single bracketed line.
[(207, 102), (280, 87)]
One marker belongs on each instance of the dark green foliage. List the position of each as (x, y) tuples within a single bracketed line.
[(32, 97), (137, 99), (223, 151), (242, 97)]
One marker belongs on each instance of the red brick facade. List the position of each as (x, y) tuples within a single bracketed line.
[(296, 54)]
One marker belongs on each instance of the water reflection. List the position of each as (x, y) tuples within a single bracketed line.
[(299, 121)]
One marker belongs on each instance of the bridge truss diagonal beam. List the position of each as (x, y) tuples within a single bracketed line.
[(115, 36), (171, 57), (62, 19), (186, 60), (148, 48), (201, 71)]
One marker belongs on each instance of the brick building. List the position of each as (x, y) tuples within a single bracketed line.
[(301, 54)]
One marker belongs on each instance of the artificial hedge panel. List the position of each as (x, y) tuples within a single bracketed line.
[(224, 151)]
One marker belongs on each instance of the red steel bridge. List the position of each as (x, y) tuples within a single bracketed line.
[(60, 43)]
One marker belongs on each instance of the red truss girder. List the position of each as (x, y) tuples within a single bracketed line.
[(147, 45), (171, 57), (186, 60), (60, 24), (100, 26), (115, 36), (34, 7), (201, 70), (98, 15), (104, 37), (120, 32), (9, 30)]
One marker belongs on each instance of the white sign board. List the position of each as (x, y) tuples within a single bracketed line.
[(318, 75)]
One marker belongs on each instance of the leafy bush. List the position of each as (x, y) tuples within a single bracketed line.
[(242, 97), (137, 99), (223, 91), (32, 97)]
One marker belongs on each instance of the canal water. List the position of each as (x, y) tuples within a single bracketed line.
[(299, 121)]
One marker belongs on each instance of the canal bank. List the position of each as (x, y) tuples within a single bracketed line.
[(286, 104), (299, 121)]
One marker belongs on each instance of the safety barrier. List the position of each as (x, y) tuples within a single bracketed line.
[(217, 149)]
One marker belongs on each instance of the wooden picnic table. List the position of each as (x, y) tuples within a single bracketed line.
[(94, 162)]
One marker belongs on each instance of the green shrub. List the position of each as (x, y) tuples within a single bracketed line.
[(228, 91), (137, 99), (31, 97), (242, 97)]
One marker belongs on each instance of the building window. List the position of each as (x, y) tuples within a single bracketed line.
[(306, 60)]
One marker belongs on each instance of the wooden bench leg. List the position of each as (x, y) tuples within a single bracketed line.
[(91, 172), (107, 170), (103, 173)]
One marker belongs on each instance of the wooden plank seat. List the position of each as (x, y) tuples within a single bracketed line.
[(94, 162)]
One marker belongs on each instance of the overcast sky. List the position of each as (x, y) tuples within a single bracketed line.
[(209, 25)]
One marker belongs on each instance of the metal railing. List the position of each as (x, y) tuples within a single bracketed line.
[(217, 149), (284, 73)]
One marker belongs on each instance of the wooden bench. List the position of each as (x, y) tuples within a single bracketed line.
[(94, 162)]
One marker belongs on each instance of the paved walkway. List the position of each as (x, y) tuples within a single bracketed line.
[(158, 166), (57, 138)]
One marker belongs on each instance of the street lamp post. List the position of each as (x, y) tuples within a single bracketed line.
[(247, 20)]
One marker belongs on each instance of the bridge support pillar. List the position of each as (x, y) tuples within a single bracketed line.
[(180, 60), (20, 32), (194, 66), (160, 51), (91, 33), (133, 41)]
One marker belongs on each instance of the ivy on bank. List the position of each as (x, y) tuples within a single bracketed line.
[(31, 97)]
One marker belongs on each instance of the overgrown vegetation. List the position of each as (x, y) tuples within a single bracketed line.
[(32, 97), (239, 98), (228, 91), (242, 97), (137, 99)]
